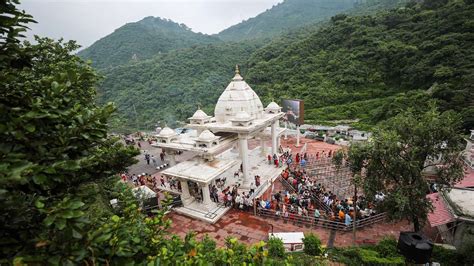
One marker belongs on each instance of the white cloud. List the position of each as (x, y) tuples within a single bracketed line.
[(89, 20)]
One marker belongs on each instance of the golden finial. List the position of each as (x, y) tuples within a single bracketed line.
[(237, 71), (199, 106)]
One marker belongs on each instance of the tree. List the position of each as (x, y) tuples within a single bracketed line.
[(401, 151), (54, 147), (58, 170)]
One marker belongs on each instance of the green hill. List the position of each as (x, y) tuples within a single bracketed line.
[(285, 16), (141, 40), (365, 67), (369, 67), (170, 86)]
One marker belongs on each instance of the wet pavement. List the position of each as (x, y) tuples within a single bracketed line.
[(250, 229)]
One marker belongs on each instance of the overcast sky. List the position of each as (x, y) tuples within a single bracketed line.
[(89, 20)]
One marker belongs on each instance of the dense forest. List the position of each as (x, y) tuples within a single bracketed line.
[(283, 17), (370, 67), (141, 40), (361, 66), (170, 86)]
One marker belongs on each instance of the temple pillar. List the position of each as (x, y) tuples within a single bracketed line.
[(206, 198), (297, 136), (171, 157), (262, 146), (286, 130), (185, 196), (244, 156), (274, 137), (206, 195)]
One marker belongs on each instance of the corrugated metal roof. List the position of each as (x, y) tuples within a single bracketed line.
[(441, 214), (468, 180)]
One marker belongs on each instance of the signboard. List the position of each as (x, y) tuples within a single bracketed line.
[(294, 111)]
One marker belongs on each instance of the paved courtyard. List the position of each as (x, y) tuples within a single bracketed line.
[(250, 229)]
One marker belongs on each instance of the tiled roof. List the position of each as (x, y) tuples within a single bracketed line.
[(468, 180), (441, 214)]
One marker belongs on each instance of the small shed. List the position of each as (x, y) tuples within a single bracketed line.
[(148, 197), (292, 241)]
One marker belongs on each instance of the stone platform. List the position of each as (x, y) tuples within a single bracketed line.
[(259, 166), (195, 211)]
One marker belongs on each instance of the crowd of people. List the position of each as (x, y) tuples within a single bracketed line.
[(306, 199), (310, 200)]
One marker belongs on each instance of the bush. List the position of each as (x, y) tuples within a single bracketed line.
[(312, 245), (208, 244), (467, 251), (446, 256), (372, 257), (387, 247), (384, 253), (275, 247)]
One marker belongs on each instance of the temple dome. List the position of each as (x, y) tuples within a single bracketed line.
[(237, 97), (166, 132), (242, 115), (206, 135), (273, 105), (199, 114)]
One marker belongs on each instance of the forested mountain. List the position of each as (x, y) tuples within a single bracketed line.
[(365, 67), (370, 67), (285, 16), (170, 86), (141, 40)]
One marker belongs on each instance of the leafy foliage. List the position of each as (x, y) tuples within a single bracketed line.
[(401, 151), (275, 247), (312, 245), (365, 68), (170, 86), (371, 67), (141, 40), (289, 14), (58, 170)]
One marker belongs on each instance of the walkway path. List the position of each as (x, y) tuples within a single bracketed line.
[(251, 229)]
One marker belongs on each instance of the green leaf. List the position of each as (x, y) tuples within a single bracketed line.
[(49, 220), (39, 204), (76, 234), (60, 224), (115, 218), (75, 204), (39, 179), (30, 128), (67, 214), (103, 238)]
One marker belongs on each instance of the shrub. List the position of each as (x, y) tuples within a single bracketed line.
[(275, 247), (467, 251), (387, 247), (372, 257), (446, 256), (208, 245), (312, 245)]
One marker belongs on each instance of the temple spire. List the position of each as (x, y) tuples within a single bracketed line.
[(237, 70)]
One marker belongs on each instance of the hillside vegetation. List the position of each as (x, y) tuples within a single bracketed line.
[(366, 68), (170, 86), (142, 40), (285, 16), (370, 67)]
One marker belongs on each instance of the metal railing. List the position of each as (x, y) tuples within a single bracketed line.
[(321, 222), (287, 185)]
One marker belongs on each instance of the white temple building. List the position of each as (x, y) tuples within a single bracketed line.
[(220, 148)]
